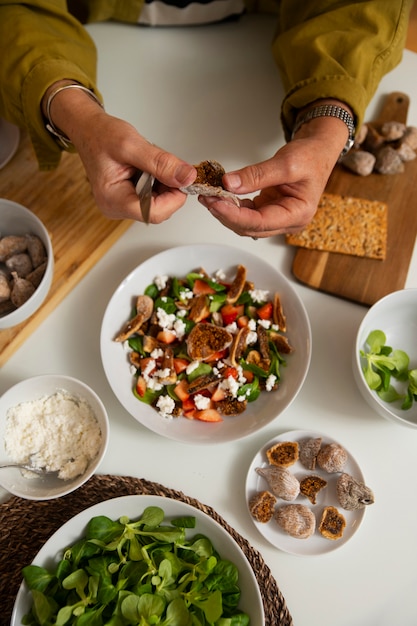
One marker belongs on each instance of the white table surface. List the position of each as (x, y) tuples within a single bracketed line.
[(214, 92)]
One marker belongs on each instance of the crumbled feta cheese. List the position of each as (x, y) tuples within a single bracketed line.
[(179, 328), (265, 323), (231, 385), (270, 382), (220, 275), (191, 367), (59, 432), (252, 324), (165, 405), (232, 328), (259, 295), (161, 282), (150, 366), (162, 373), (157, 353), (251, 338), (153, 384), (201, 402), (165, 320), (240, 376), (186, 294)]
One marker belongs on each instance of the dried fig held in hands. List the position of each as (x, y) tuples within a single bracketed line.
[(209, 182)]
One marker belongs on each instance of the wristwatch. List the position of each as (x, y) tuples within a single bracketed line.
[(329, 110)]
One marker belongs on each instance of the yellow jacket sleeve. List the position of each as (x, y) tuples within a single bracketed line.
[(341, 50), (323, 48), (40, 44)]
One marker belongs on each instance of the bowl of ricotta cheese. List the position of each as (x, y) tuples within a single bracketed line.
[(51, 422)]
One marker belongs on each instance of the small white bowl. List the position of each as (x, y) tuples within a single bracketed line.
[(16, 219), (396, 316), (50, 486)]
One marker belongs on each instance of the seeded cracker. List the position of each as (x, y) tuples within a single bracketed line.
[(346, 225)]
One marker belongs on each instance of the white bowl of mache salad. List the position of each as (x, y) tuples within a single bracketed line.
[(58, 427), (385, 357), (203, 575), (205, 343)]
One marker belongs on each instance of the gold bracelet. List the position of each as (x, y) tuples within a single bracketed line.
[(50, 126)]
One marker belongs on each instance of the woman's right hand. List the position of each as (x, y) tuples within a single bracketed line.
[(112, 151)]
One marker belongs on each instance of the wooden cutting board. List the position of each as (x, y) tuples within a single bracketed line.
[(359, 279), (80, 234)]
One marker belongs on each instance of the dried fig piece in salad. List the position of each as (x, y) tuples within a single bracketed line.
[(144, 310), (205, 340)]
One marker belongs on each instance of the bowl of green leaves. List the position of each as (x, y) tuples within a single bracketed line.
[(140, 559), (385, 357)]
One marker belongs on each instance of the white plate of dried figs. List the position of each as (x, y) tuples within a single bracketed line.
[(306, 493)]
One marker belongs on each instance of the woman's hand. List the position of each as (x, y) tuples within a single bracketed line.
[(112, 151), (290, 183)]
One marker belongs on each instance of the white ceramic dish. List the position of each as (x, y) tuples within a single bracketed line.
[(316, 544), (132, 507), (178, 262), (48, 487), (396, 316), (16, 219), (9, 141)]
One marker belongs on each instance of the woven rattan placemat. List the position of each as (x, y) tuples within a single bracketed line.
[(25, 525)]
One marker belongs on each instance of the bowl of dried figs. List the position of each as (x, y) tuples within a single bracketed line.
[(26, 263)]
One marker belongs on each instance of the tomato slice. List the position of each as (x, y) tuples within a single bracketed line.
[(230, 313), (200, 286), (265, 311)]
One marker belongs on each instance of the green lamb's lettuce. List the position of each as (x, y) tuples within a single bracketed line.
[(143, 573), (382, 365)]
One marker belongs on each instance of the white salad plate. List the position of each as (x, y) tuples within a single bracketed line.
[(178, 262), (316, 544), (9, 141), (133, 507)]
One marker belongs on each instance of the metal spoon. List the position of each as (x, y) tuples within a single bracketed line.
[(42, 471)]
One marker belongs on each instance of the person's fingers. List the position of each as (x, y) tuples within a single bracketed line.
[(163, 165), (255, 177), (121, 202)]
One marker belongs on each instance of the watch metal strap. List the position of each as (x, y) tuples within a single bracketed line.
[(329, 110)]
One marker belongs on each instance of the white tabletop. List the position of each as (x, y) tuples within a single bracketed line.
[(214, 92)]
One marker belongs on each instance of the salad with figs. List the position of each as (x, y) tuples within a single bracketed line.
[(202, 347)]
